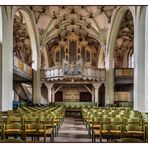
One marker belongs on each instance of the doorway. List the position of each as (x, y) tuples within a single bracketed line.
[(59, 96), (85, 97)]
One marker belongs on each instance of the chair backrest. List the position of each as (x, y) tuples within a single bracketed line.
[(13, 126), (12, 141), (105, 127), (115, 127), (106, 120), (35, 126), (133, 127), (13, 118), (130, 140), (137, 121), (29, 119)]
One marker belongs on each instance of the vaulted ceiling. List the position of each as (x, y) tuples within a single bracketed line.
[(89, 22)]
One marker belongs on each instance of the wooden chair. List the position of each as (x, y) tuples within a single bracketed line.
[(2, 130), (49, 125), (146, 133), (116, 131), (34, 130), (133, 131), (102, 132), (14, 130)]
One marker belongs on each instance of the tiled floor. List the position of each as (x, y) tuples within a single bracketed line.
[(73, 130)]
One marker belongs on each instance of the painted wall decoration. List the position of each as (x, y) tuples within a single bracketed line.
[(21, 40)]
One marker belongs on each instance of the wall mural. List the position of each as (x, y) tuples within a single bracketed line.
[(21, 40)]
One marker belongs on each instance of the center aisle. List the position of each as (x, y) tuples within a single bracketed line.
[(72, 130)]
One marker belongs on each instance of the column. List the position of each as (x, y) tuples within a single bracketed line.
[(93, 94), (146, 62), (6, 59), (96, 86), (53, 95), (109, 86), (49, 87), (141, 67), (36, 87)]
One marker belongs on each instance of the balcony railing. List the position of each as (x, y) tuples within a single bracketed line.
[(124, 72), (22, 67), (124, 75), (86, 73)]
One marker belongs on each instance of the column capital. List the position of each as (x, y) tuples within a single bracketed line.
[(96, 85), (49, 85)]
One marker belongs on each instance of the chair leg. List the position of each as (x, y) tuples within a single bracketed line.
[(100, 138), (45, 138), (86, 126), (93, 137), (52, 137), (55, 131)]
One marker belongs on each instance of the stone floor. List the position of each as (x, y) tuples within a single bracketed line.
[(72, 130)]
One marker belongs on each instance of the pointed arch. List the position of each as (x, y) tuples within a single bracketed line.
[(33, 33), (117, 17)]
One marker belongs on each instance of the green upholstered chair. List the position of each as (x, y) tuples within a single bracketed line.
[(130, 140)]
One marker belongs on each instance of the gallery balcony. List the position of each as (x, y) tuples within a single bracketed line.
[(123, 75), (85, 73), (21, 69)]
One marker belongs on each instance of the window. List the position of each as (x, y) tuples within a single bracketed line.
[(83, 53), (57, 56), (62, 54), (87, 56)]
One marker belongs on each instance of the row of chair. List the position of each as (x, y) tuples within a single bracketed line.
[(115, 123), (32, 122)]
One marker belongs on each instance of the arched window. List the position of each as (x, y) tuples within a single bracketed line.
[(57, 56), (87, 56), (131, 60)]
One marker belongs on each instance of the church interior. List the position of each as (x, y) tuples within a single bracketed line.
[(73, 74)]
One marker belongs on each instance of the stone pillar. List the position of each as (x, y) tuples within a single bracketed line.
[(141, 67), (36, 87), (109, 86), (6, 59), (146, 61), (96, 86), (53, 95), (93, 94), (49, 87)]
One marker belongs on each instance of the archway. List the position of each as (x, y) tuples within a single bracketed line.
[(116, 21), (102, 95), (23, 59), (35, 49), (31, 29)]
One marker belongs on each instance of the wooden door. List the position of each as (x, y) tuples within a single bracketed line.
[(59, 96), (85, 97)]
